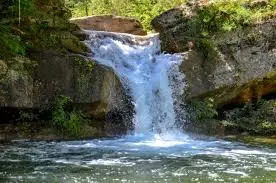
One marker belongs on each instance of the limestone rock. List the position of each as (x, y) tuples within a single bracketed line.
[(91, 86), (110, 23), (240, 66), (244, 70)]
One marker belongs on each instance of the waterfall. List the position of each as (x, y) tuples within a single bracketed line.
[(152, 77)]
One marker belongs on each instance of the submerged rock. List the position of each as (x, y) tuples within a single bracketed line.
[(110, 23)]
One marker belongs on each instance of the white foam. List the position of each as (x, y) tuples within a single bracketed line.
[(111, 162), (146, 72)]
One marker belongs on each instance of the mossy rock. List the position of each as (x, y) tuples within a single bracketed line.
[(254, 140), (74, 45), (256, 118)]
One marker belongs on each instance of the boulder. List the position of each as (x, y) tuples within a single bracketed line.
[(173, 27), (110, 23), (91, 86), (235, 67)]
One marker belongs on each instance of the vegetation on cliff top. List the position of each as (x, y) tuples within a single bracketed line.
[(143, 10), (41, 25), (223, 16), (214, 15), (38, 25)]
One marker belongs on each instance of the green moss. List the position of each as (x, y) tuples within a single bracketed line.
[(84, 69), (202, 116), (255, 118), (3, 68), (44, 25), (73, 44), (16, 73), (201, 110), (218, 17), (208, 48), (255, 140), (10, 44)]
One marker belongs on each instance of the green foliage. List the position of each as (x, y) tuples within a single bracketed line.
[(202, 116), (79, 7), (223, 16), (34, 28), (217, 17), (202, 110), (10, 44), (258, 118), (143, 10), (67, 121)]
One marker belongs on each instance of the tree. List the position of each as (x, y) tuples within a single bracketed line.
[(79, 4)]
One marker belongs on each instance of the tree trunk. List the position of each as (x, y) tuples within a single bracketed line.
[(86, 8)]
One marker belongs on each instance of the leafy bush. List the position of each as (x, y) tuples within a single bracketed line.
[(201, 117), (202, 110), (217, 17), (222, 16), (66, 120), (258, 118), (10, 44), (143, 10), (39, 19)]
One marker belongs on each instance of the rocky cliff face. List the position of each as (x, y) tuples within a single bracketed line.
[(94, 88), (111, 24), (242, 70), (233, 67)]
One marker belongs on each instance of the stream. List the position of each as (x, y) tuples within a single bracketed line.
[(157, 150)]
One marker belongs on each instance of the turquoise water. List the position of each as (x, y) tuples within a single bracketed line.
[(137, 159), (156, 87)]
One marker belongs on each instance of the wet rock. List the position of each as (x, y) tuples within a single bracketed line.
[(92, 87), (233, 68)]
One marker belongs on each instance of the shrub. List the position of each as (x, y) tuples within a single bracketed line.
[(202, 110), (259, 117), (66, 120), (10, 44), (143, 10)]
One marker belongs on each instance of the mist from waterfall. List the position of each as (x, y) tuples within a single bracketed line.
[(152, 78)]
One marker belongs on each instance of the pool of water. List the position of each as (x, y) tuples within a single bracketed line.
[(140, 159)]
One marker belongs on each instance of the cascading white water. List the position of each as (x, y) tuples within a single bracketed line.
[(149, 75), (157, 152)]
